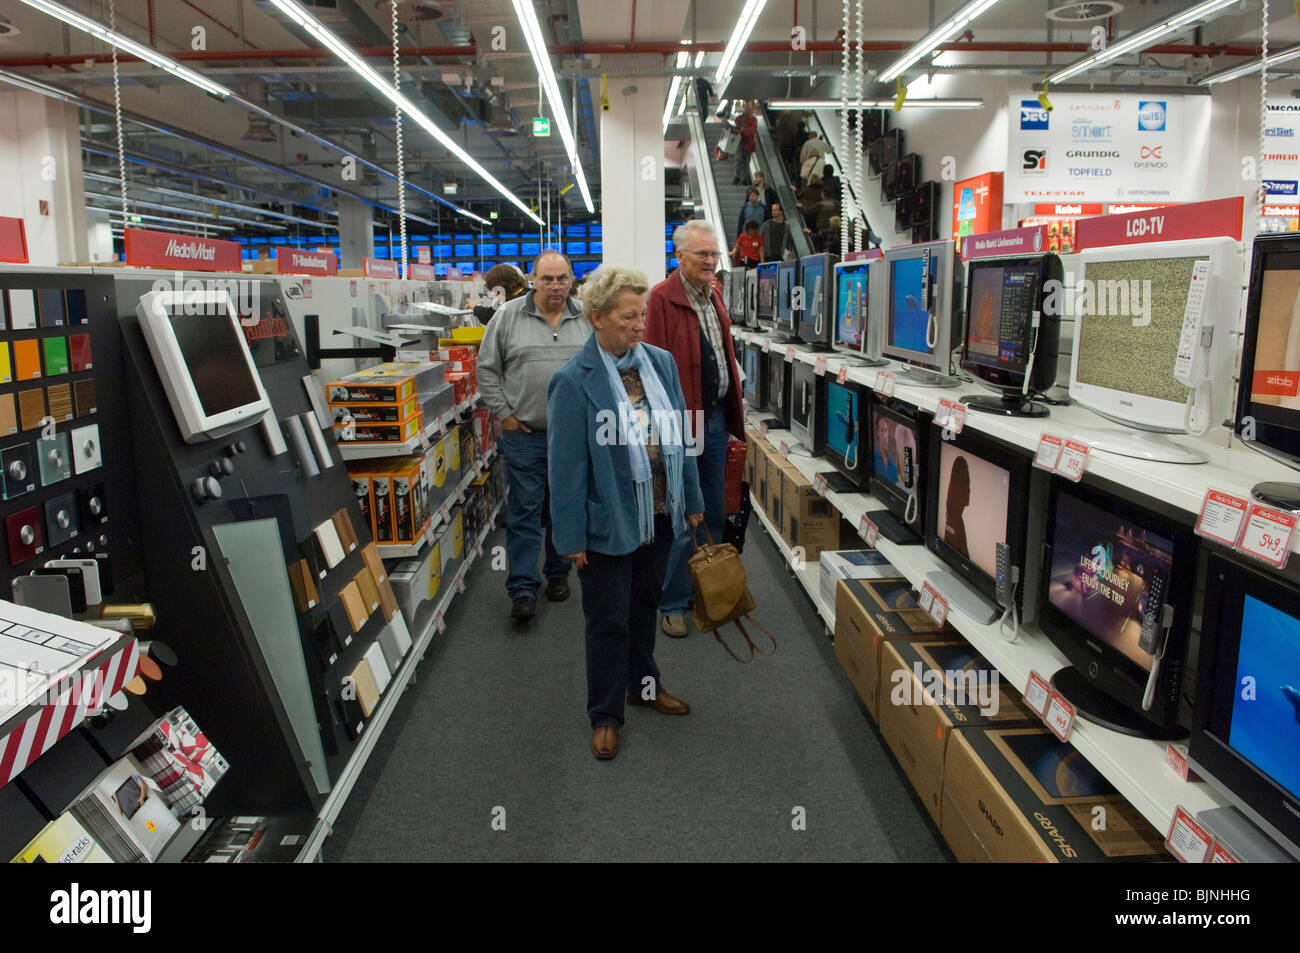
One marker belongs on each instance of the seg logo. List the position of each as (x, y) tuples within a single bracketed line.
[(1033, 162), (1151, 115), (1032, 115)]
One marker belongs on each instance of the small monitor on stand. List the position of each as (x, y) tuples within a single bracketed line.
[(779, 377), (1012, 331), (919, 332), (765, 306), (807, 409), (755, 376), (848, 435), (815, 317), (899, 446), (787, 278), (859, 299)]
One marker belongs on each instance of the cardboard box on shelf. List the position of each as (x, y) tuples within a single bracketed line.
[(809, 520), (752, 437), (837, 564), (377, 413), (869, 612), (1021, 795), (396, 433), (369, 388), (928, 690)]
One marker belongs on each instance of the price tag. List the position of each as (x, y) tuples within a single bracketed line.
[(868, 531), (926, 601), (437, 620), (843, 375), (939, 610), (885, 384), (762, 428), (1187, 840), (460, 583), (442, 426), (444, 513), (1074, 460), (1222, 855), (1037, 694), (819, 484), (789, 355), (1060, 717), (428, 532), (767, 345), (478, 547), (785, 449), (1222, 516), (1267, 535), (819, 367), (943, 416), (424, 440), (957, 419), (1049, 452)]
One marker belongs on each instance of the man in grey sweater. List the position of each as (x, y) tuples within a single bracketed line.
[(528, 340)]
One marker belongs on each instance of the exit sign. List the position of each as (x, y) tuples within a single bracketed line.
[(541, 126)]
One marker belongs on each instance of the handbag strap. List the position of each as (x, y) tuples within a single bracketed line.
[(752, 646), (717, 634), (707, 535)]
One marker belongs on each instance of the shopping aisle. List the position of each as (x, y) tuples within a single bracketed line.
[(497, 719)]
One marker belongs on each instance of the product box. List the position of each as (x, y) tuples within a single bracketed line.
[(395, 499), (440, 400), (869, 612), (358, 432), (808, 520), (368, 388), (451, 540), (63, 841), (928, 689), (377, 413), (461, 387), (837, 564), (408, 507), (752, 452), (409, 588), (1022, 795)]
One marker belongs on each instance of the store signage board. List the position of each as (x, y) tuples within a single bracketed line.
[(1010, 241), (1104, 146), (375, 268), (150, 249), (1220, 217), (867, 254), (976, 206), (541, 126), (418, 272), (295, 261), (13, 240), (1070, 209), (1279, 169)]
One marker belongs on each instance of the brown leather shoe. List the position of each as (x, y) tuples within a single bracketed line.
[(663, 703), (604, 742)]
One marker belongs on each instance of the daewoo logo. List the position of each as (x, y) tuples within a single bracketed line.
[(1151, 152)]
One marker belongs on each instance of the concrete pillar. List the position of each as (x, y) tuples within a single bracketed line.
[(40, 166), (632, 170), (356, 232)]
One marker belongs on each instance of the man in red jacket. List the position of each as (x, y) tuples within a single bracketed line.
[(687, 318)]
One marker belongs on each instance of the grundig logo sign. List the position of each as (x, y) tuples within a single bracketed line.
[(1092, 154)]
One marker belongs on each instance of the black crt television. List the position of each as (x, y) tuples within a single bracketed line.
[(778, 373), (1013, 331), (816, 318), (1117, 571), (787, 277), (766, 305), (978, 490), (755, 376), (899, 433), (1244, 744), (903, 209), (848, 435), (807, 407), (902, 177), (1268, 398)]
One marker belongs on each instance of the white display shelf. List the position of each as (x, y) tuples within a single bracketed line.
[(1135, 766), (809, 575), (383, 712), (413, 550), (1232, 468), (350, 450)]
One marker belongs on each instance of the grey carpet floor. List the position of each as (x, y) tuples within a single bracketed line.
[(494, 734)]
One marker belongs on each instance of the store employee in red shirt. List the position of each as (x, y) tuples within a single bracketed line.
[(749, 247)]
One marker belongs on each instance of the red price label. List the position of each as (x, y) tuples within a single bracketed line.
[(843, 375), (819, 484), (958, 417), (1074, 460), (1060, 717), (437, 620), (819, 367), (943, 416), (885, 384), (1187, 840), (1038, 693), (789, 355), (926, 600), (762, 428), (868, 531), (460, 583), (1222, 855), (443, 512), (424, 440), (767, 345), (939, 610), (1049, 452), (1222, 517), (1267, 535), (785, 449)]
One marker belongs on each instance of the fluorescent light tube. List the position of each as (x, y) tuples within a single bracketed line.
[(739, 37), (787, 104), (1251, 66), (941, 34)]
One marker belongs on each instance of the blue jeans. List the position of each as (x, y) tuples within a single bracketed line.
[(528, 514), (712, 467)]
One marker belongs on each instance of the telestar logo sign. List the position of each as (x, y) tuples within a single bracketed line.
[(1152, 115), (196, 251), (1033, 162), (1280, 187), (1032, 115)]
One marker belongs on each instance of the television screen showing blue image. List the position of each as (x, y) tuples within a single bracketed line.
[(575, 248), (488, 250), (465, 237), (909, 317), (465, 251), (583, 268), (595, 248), (595, 231), (508, 248), (851, 306), (258, 240), (440, 270), (668, 246), (1265, 728), (530, 249), (279, 240), (381, 251), (466, 267), (842, 430), (577, 231), (672, 264), (441, 251)]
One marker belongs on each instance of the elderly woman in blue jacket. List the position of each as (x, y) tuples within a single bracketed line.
[(621, 492)]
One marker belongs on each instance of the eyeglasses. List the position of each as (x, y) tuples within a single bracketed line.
[(706, 255), (552, 279)]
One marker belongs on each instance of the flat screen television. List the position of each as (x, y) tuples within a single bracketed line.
[(202, 357), (736, 304), (816, 319), (922, 288), (464, 251), (925, 203), (875, 123), (1128, 323), (530, 249), (751, 296), (1244, 744), (755, 376), (898, 468), (1268, 397), (1112, 567), (807, 408), (859, 297), (766, 312), (787, 277), (1013, 332), (779, 377), (848, 434), (978, 490)]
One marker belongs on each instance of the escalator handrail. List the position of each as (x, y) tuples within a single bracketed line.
[(773, 168)]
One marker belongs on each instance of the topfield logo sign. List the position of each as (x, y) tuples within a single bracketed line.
[(1033, 115), (1152, 115)]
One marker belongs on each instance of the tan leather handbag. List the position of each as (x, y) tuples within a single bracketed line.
[(722, 594)]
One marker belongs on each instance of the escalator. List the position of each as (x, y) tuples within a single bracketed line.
[(705, 172), (773, 169)]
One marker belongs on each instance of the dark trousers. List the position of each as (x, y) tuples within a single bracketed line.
[(620, 599), (528, 514)]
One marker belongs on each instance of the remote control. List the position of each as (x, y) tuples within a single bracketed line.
[(1003, 591), (1152, 618)]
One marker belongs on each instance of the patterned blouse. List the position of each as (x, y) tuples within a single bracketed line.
[(641, 405)]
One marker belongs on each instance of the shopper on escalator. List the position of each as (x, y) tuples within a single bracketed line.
[(748, 250), (766, 194), (688, 319), (622, 489), (528, 340), (776, 236), (752, 211), (747, 126)]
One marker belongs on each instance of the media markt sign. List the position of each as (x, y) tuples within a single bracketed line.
[(541, 126)]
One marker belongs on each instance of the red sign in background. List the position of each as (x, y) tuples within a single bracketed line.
[(13, 241), (1011, 241), (377, 268), (1220, 217), (297, 261), (149, 249)]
